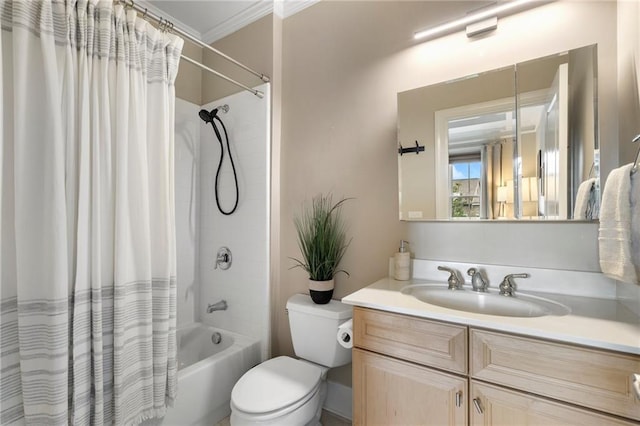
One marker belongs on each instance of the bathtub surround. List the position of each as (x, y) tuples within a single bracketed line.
[(245, 285), (187, 205), (88, 235), (205, 386)]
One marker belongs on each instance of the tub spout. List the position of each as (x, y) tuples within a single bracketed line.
[(218, 306)]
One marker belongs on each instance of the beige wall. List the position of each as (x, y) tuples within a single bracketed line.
[(251, 46), (276, 155), (344, 63), (339, 136), (189, 79)]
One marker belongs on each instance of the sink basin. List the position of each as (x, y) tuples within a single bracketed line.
[(490, 303)]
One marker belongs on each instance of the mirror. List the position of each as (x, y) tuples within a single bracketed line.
[(518, 142)]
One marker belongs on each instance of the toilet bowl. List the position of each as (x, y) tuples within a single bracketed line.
[(280, 391), (287, 391)]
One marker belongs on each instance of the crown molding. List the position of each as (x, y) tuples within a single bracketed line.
[(159, 12), (291, 7), (282, 8), (239, 20)]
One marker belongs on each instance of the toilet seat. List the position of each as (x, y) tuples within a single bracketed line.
[(276, 387)]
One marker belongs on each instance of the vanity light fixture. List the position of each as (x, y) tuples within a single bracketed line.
[(483, 14)]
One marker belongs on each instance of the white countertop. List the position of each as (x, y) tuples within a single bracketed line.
[(600, 323)]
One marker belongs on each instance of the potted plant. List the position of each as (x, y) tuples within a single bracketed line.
[(323, 242)]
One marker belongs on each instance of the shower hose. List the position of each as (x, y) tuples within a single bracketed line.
[(233, 167)]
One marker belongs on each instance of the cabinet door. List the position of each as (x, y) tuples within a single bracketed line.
[(387, 391), (494, 406)]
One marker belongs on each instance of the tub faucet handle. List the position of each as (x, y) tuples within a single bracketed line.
[(223, 259)]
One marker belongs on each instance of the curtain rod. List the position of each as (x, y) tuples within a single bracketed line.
[(165, 23)]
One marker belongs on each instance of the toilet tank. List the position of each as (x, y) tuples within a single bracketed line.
[(314, 330)]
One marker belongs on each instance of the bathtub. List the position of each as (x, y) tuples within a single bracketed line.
[(207, 373)]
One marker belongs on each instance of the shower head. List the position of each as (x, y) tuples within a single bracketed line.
[(208, 116)]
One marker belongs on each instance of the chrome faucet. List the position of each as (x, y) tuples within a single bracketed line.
[(478, 282), (218, 306), (508, 285), (455, 283)]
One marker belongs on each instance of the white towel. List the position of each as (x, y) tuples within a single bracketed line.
[(583, 197), (614, 235), (635, 222)]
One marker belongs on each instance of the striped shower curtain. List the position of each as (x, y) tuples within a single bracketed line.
[(87, 265)]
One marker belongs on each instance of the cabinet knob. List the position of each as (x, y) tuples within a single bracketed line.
[(476, 403), (459, 399), (635, 384)]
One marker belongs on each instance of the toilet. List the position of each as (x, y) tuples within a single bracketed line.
[(288, 391)]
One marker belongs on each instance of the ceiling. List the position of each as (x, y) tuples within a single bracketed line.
[(210, 20)]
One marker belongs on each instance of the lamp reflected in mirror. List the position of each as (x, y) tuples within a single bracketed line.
[(501, 197), (530, 197)]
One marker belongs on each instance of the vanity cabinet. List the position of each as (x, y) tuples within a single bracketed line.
[(394, 392), (409, 370), (392, 386)]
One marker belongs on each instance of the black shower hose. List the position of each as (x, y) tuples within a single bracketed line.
[(233, 167)]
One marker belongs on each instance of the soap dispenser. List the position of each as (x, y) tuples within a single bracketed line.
[(402, 263)]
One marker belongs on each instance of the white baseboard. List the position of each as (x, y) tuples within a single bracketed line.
[(339, 398)]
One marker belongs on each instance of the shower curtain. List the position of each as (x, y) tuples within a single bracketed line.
[(88, 290)]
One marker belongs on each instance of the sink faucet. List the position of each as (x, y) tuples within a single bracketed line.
[(478, 282), (218, 306), (508, 286), (455, 283)]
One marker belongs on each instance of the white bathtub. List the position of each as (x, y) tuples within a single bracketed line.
[(207, 373)]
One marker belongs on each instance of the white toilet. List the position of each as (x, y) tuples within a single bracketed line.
[(287, 391)]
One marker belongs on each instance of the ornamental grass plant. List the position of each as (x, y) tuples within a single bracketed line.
[(321, 237)]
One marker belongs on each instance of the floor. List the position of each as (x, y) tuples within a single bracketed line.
[(330, 419), (327, 419)]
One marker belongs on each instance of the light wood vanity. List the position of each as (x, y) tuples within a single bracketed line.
[(419, 364), (411, 370)]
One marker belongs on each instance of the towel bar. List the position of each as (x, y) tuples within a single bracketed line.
[(635, 163)]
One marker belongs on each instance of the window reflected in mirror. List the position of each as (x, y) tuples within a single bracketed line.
[(465, 194)]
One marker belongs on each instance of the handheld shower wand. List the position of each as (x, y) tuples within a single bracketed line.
[(209, 117)]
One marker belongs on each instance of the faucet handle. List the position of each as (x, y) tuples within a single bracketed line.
[(508, 285), (455, 283)]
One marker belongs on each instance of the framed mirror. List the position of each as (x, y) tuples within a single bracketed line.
[(513, 143)]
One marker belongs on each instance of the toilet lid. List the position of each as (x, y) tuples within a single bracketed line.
[(274, 385)]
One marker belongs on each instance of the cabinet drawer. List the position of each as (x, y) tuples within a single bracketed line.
[(588, 377), (413, 339), (494, 406)]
